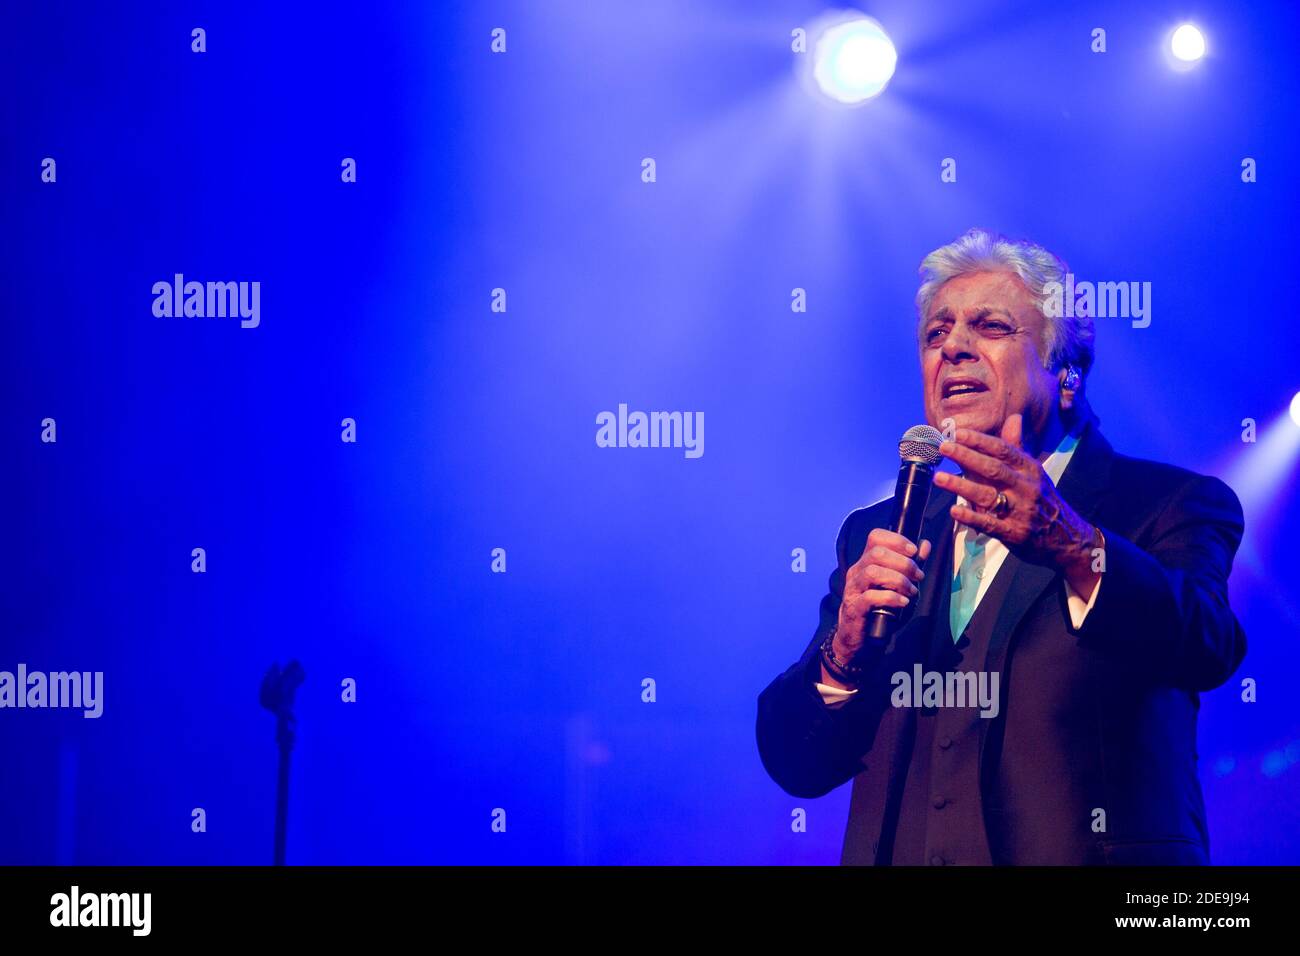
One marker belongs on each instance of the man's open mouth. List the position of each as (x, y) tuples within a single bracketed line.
[(962, 386)]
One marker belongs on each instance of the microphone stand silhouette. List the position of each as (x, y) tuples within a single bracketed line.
[(278, 687)]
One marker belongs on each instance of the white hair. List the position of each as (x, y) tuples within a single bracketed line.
[(1070, 339)]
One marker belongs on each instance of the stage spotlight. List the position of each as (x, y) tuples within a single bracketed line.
[(1295, 409), (854, 60), (1187, 43)]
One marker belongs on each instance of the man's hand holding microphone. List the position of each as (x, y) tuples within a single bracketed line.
[(886, 579), (887, 575)]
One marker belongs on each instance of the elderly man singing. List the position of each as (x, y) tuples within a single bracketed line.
[(1088, 587)]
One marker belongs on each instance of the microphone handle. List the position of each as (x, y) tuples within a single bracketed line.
[(911, 494)]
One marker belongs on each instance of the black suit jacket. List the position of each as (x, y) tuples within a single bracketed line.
[(1099, 718)]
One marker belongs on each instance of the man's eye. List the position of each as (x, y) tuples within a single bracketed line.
[(997, 328), (933, 334)]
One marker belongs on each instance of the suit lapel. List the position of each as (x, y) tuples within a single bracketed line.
[(1082, 485), (937, 528)]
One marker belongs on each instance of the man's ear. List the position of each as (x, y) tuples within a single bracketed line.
[(1069, 381)]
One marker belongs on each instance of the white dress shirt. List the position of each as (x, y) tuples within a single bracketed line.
[(995, 552)]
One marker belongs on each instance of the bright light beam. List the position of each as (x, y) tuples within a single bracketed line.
[(854, 60), (1187, 43)]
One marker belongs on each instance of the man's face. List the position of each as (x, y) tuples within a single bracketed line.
[(980, 346)]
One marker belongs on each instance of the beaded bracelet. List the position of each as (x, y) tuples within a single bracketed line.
[(840, 670)]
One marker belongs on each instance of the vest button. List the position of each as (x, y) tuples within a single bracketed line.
[(936, 860), (945, 742), (940, 802)]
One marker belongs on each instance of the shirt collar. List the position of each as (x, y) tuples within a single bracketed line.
[(1057, 460)]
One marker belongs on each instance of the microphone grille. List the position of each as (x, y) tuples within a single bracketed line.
[(921, 443)]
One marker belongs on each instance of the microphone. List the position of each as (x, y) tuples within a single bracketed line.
[(919, 450)]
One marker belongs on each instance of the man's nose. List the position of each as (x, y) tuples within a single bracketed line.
[(959, 343)]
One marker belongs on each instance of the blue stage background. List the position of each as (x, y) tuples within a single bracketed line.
[(476, 429)]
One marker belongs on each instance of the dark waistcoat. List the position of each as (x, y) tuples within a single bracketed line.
[(939, 812)]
